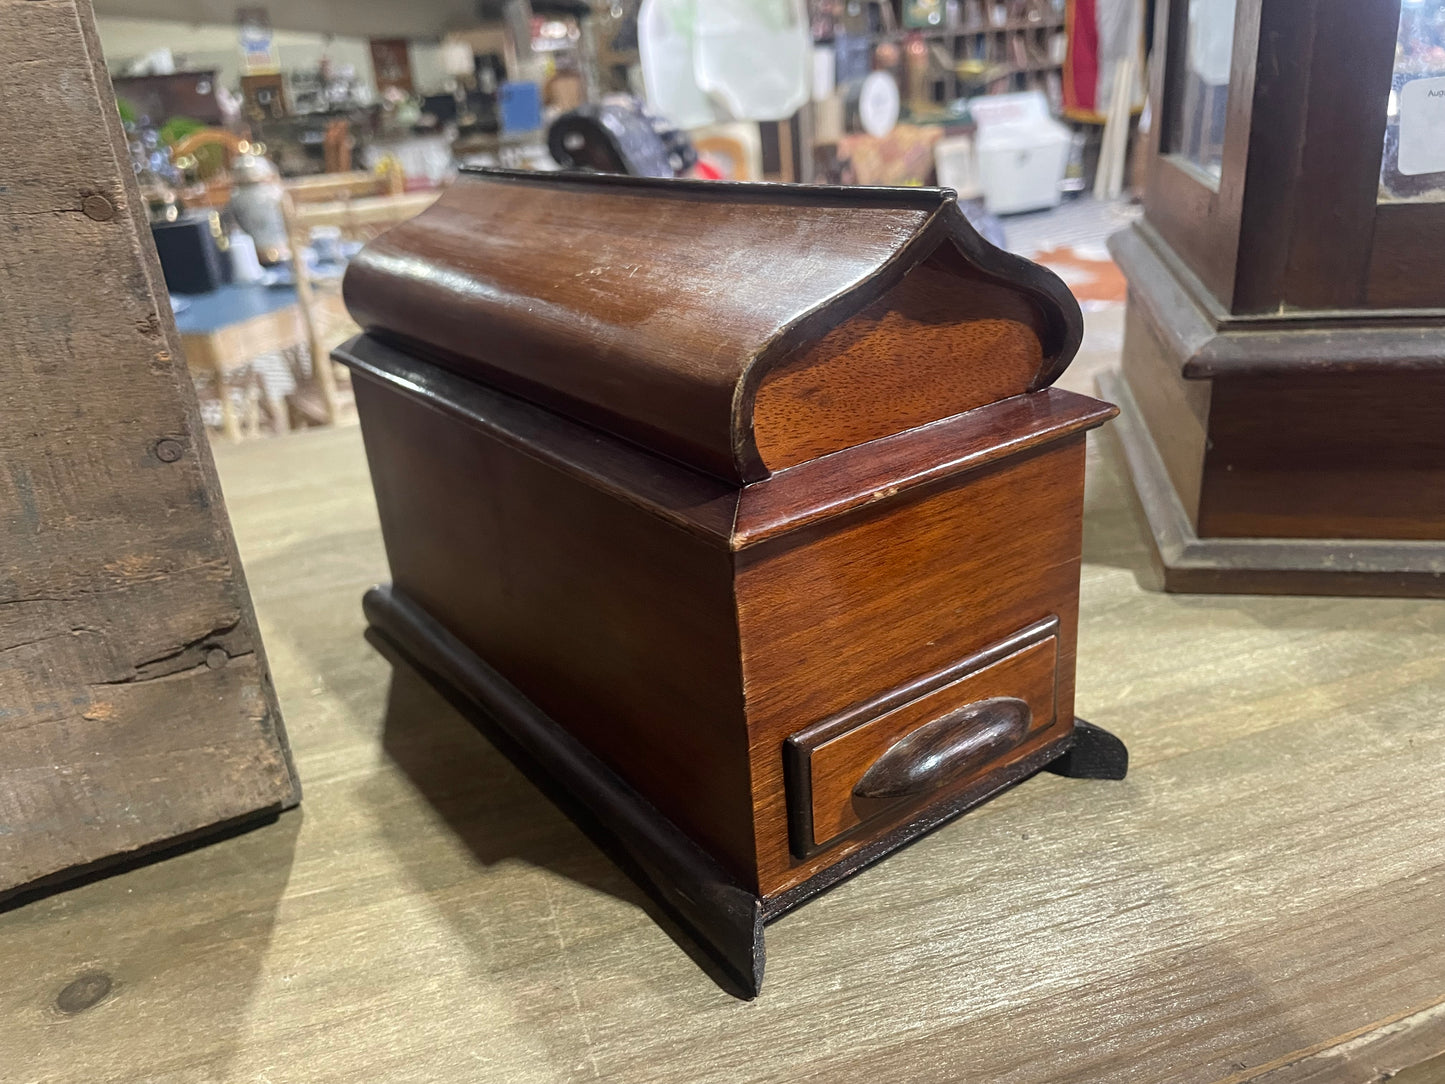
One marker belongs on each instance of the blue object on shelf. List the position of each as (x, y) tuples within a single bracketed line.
[(521, 107)]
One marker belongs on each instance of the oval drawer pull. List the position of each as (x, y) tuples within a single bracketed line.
[(946, 748)]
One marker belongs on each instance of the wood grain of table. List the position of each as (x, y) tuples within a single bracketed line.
[(1262, 900)]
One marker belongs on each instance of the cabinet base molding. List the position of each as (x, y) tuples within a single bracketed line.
[(1188, 563)]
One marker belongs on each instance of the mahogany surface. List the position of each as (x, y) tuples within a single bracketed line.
[(617, 622), (608, 618), (655, 309), (895, 594), (696, 469), (1404, 270), (1185, 561), (1176, 410), (1285, 430), (830, 762), (1334, 455), (943, 341)]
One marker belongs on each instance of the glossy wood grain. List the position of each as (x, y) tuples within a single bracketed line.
[(611, 620), (564, 587), (1281, 464), (830, 762), (1404, 258), (688, 511), (828, 619), (944, 751), (1288, 427), (1175, 409), (687, 499), (1260, 566), (889, 470), (1287, 450), (941, 342), (654, 309)]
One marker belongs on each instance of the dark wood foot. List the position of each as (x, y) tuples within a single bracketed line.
[(1095, 754), (724, 919)]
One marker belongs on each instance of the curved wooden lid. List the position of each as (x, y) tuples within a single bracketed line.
[(739, 328)]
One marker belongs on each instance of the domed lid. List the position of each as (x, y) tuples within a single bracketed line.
[(739, 328)]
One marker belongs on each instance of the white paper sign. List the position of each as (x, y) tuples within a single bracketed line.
[(1422, 127)]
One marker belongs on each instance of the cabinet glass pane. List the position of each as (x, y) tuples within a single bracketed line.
[(1413, 167), (1208, 52)]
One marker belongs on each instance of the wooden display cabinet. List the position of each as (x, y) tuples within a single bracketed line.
[(1283, 379)]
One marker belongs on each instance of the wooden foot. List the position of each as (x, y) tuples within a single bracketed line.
[(1095, 754)]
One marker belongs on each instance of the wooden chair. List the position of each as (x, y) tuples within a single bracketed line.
[(213, 181), (361, 205)]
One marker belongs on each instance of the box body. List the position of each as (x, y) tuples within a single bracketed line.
[(687, 644), (747, 512)]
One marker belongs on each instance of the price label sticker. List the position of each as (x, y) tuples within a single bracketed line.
[(1422, 127)]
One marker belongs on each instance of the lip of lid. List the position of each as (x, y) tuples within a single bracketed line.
[(658, 309)]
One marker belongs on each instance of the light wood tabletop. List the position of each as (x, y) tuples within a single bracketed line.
[(223, 331), (1262, 900)]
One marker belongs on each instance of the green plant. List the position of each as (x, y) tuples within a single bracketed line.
[(210, 159), (177, 128)]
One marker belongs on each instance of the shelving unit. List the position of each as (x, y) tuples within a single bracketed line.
[(978, 47), (1016, 54), (979, 28)]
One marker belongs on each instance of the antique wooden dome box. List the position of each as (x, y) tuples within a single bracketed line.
[(744, 516)]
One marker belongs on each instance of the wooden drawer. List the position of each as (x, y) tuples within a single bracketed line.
[(919, 743)]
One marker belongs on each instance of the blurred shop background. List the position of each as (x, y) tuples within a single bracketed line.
[(272, 141)]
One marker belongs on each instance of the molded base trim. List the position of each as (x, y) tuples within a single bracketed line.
[(715, 914), (1263, 566)]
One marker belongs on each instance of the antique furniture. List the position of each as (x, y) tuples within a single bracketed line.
[(1283, 380), (136, 710), (745, 514), (356, 205), (223, 332), (391, 64)]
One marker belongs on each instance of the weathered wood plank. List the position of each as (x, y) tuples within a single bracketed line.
[(135, 706)]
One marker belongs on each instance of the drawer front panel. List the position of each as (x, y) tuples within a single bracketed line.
[(892, 757)]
